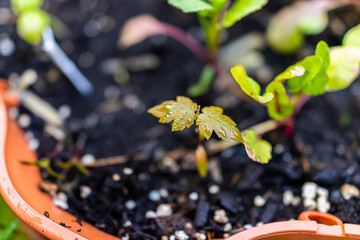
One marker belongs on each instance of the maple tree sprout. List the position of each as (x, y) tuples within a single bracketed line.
[(184, 113)]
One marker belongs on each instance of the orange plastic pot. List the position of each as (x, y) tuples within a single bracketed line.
[(19, 188)]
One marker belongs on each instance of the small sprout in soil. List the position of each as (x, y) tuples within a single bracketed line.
[(32, 20), (45, 164), (184, 113), (328, 70)]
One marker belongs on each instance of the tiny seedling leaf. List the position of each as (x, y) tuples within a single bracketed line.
[(344, 67), (352, 37), (293, 71), (189, 6), (258, 150), (201, 160), (211, 119), (249, 86), (31, 24), (20, 6), (280, 106), (182, 112), (240, 9), (316, 86), (312, 66)]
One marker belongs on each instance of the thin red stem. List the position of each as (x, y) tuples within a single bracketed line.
[(188, 41)]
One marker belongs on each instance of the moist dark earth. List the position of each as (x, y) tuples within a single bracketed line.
[(324, 147)]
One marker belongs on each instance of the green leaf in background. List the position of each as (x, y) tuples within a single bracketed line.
[(286, 29), (344, 67), (283, 37), (312, 66), (206, 78), (9, 228), (280, 106), (257, 149), (315, 24), (31, 24), (316, 86), (189, 6), (249, 86), (352, 37), (19, 6), (240, 9)]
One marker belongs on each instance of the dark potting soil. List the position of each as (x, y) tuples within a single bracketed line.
[(119, 199)]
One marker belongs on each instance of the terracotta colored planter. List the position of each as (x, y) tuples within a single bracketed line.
[(18, 186)]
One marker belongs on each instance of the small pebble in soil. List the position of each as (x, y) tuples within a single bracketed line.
[(164, 193), (288, 197), (227, 227), (164, 238), (214, 189), (259, 201), (111, 92), (322, 192), (163, 210), (226, 235), (131, 101), (33, 143), (200, 236), (279, 148), (85, 191), (188, 226), (116, 177), (87, 159), (340, 149), (154, 195), (60, 200), (194, 196), (181, 235), (64, 111), (248, 226), (128, 171), (46, 214), (220, 216), (13, 112), (86, 59), (5, 15), (309, 204), (259, 223), (323, 205), (296, 201), (127, 224), (130, 204), (150, 214), (309, 190), (348, 191), (7, 47), (24, 120)]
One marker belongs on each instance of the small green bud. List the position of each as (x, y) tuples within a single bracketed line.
[(20, 6), (31, 24)]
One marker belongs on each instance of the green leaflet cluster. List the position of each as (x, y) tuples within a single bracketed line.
[(183, 113), (326, 71)]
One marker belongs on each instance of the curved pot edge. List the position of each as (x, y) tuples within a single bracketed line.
[(26, 212)]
